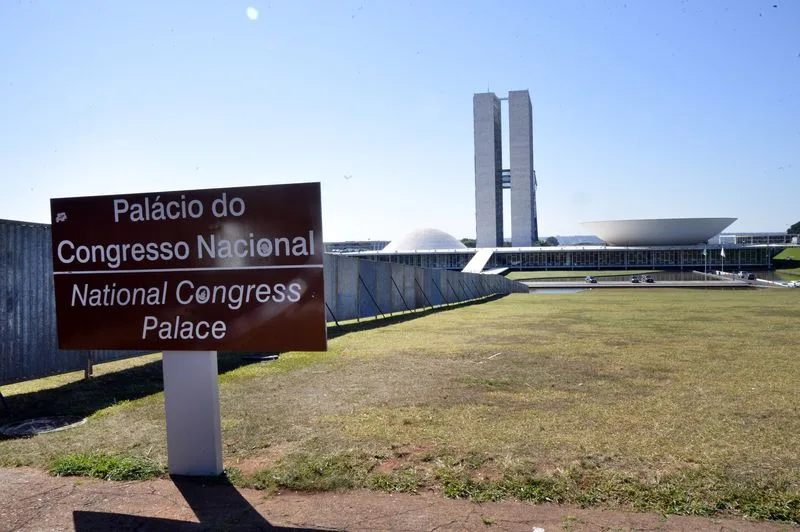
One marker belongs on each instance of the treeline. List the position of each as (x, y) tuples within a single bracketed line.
[(549, 241)]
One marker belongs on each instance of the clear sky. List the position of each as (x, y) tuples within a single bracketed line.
[(642, 109)]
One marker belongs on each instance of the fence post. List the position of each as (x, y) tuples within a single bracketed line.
[(332, 314), (477, 287), (371, 297), (454, 290), (3, 400), (401, 294), (465, 288), (423, 292), (88, 370), (446, 302)]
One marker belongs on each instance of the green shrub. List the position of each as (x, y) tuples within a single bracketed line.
[(107, 467), (404, 482), (315, 473)]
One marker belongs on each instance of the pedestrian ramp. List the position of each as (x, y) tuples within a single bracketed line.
[(477, 263)]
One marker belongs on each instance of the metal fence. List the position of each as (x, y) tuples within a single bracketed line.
[(28, 340), (357, 288), (354, 288)]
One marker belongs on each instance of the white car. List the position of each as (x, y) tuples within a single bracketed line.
[(793, 284)]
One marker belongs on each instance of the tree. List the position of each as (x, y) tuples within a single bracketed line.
[(549, 241), (794, 230), (469, 242)]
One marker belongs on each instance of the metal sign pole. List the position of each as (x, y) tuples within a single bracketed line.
[(191, 402)]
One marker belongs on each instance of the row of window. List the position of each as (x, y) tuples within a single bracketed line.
[(590, 259)]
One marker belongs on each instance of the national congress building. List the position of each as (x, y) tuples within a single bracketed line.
[(667, 243), (490, 176)]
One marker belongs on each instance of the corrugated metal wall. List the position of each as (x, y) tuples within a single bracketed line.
[(354, 288), (28, 341), (358, 288)]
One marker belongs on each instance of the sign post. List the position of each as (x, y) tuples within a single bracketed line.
[(189, 273), (191, 404)]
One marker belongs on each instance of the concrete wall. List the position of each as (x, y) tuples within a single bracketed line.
[(488, 170), (524, 230)]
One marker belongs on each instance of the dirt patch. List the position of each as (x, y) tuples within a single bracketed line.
[(32, 500), (404, 456), (268, 457), (388, 465)]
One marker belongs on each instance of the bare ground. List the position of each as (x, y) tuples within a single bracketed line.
[(31, 499)]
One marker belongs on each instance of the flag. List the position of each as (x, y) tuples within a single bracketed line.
[(722, 252), (704, 252)]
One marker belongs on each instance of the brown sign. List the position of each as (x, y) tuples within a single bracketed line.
[(235, 269)]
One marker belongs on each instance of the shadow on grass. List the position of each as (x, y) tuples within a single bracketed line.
[(335, 331), (215, 502), (84, 397)]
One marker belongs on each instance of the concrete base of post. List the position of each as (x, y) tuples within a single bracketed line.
[(191, 401)]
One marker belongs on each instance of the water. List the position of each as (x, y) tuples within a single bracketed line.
[(659, 276), (769, 275), (556, 290)]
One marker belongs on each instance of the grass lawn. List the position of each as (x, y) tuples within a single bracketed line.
[(789, 254), (562, 274), (676, 401)]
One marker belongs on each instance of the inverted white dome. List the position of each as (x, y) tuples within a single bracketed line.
[(424, 240), (658, 232)]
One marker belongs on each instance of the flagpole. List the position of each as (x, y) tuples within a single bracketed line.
[(705, 264)]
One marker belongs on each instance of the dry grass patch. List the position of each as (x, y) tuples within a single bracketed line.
[(680, 401)]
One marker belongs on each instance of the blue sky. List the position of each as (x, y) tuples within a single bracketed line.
[(642, 109)]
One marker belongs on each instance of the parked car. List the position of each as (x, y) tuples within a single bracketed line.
[(649, 279), (590, 279), (635, 279), (793, 284)]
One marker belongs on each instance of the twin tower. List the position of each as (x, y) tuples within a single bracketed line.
[(490, 176)]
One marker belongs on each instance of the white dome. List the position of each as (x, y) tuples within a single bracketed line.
[(424, 240), (659, 232)]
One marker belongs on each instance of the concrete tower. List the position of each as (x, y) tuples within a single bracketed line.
[(524, 226), (491, 178), (488, 170)]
